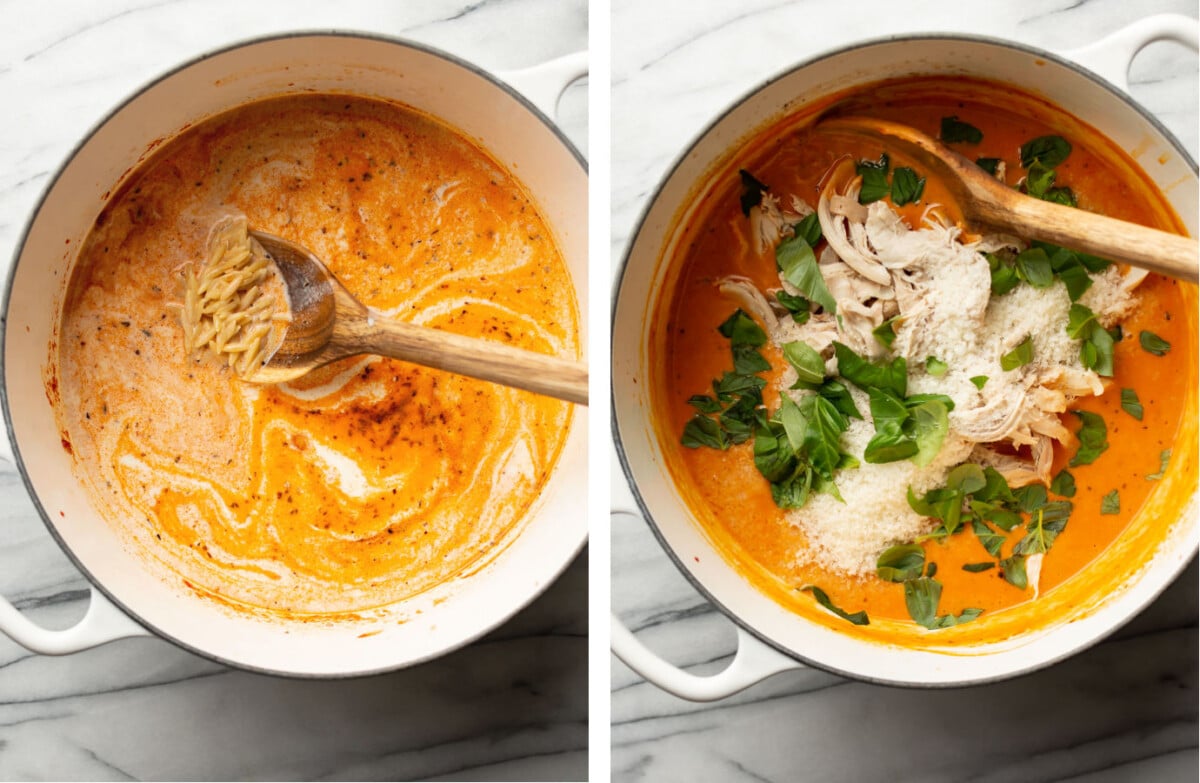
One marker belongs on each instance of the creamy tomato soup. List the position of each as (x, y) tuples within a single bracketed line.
[(798, 498), (371, 479)]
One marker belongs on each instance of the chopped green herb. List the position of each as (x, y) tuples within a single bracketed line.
[(1110, 503), (808, 229), (975, 568), (742, 330), (798, 264), (1033, 266), (990, 165), (891, 377), (1163, 460), (979, 380), (1039, 180), (950, 620), (1131, 404), (1019, 356), (990, 539), (837, 393), (1014, 571), (798, 306), (793, 491), (907, 187), (931, 570), (1152, 343), (773, 455), (930, 426), (921, 597), (874, 179), (858, 618), (704, 403), (1093, 438), (900, 563), (1044, 526), (809, 366), (885, 333), (1004, 274), (703, 431), (1063, 484), (955, 130), (752, 191), (935, 366), (1096, 351), (825, 426), (1050, 151)]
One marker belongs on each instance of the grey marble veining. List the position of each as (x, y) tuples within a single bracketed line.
[(511, 706), (1126, 710)]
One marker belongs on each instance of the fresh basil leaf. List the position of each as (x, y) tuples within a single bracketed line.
[(913, 400), (704, 403), (950, 620), (900, 563), (858, 618), (808, 364), (891, 377), (799, 267), (1014, 571), (1033, 266), (967, 478), (1002, 518), (885, 333), (975, 568), (931, 425), (991, 540), (748, 361), (935, 366), (1102, 342), (995, 488), (1080, 320), (1164, 458), (794, 421), (1111, 503), (742, 330), (1019, 356), (990, 165), (889, 444), (1040, 533), (1063, 484), (1030, 498), (1117, 333), (732, 383), (793, 491), (1061, 195), (808, 229), (798, 306), (703, 431), (874, 179), (955, 131), (1131, 404), (1004, 274), (752, 191), (1039, 180), (821, 437), (836, 392), (1076, 278), (1152, 343), (773, 455), (1093, 438), (886, 407), (921, 597), (979, 380), (1048, 150), (907, 187)]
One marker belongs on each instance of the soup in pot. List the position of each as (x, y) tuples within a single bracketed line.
[(892, 425), (371, 479)]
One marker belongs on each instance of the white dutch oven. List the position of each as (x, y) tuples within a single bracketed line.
[(126, 599), (770, 638)]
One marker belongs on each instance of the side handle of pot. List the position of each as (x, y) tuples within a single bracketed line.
[(754, 661), (103, 623), (544, 84), (1111, 56)]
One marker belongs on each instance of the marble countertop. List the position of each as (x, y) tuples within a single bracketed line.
[(512, 706), (1125, 710)]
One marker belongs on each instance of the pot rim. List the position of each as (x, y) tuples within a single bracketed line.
[(618, 285), (6, 295)]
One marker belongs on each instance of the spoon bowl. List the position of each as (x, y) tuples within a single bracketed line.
[(328, 323), (988, 204)]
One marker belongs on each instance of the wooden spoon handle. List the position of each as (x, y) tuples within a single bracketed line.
[(471, 356), (1149, 248)]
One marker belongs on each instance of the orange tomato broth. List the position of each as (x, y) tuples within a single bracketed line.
[(370, 480), (732, 502)]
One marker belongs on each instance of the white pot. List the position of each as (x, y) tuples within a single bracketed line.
[(482, 107), (771, 638)]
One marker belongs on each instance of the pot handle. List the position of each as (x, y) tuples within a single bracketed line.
[(1111, 56), (545, 83), (103, 623), (754, 661)]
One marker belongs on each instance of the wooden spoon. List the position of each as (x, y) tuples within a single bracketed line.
[(328, 324), (987, 203)]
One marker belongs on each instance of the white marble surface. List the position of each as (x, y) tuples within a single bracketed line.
[(512, 706), (1124, 711)]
